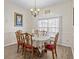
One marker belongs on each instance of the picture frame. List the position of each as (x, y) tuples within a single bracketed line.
[(18, 19)]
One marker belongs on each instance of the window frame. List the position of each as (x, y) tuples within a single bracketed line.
[(48, 22)]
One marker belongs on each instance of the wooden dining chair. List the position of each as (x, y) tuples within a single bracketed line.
[(28, 47), (52, 47), (19, 38)]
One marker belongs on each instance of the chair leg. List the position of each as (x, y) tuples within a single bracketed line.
[(53, 54), (24, 54), (32, 54), (17, 48), (22, 50), (45, 50)]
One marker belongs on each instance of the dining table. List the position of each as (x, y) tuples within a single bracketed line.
[(38, 41)]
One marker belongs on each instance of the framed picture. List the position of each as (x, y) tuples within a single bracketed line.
[(18, 19)]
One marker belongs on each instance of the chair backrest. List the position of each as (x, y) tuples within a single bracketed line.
[(18, 35), (56, 38), (28, 38)]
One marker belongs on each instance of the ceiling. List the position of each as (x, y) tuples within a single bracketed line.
[(39, 3)]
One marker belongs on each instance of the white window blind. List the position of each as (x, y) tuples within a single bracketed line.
[(51, 25)]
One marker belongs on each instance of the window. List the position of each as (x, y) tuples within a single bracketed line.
[(51, 25)]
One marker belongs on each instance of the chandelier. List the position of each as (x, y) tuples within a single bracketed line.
[(35, 11)]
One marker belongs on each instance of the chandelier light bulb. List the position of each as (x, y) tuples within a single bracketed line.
[(31, 9), (38, 9)]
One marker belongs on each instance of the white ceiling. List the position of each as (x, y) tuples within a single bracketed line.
[(39, 3)]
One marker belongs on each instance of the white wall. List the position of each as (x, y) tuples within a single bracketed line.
[(9, 31), (65, 10)]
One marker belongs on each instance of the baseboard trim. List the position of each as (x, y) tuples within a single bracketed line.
[(9, 44), (65, 44)]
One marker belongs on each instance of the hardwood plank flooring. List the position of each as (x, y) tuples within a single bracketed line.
[(62, 52)]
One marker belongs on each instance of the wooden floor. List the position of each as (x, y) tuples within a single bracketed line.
[(62, 51)]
